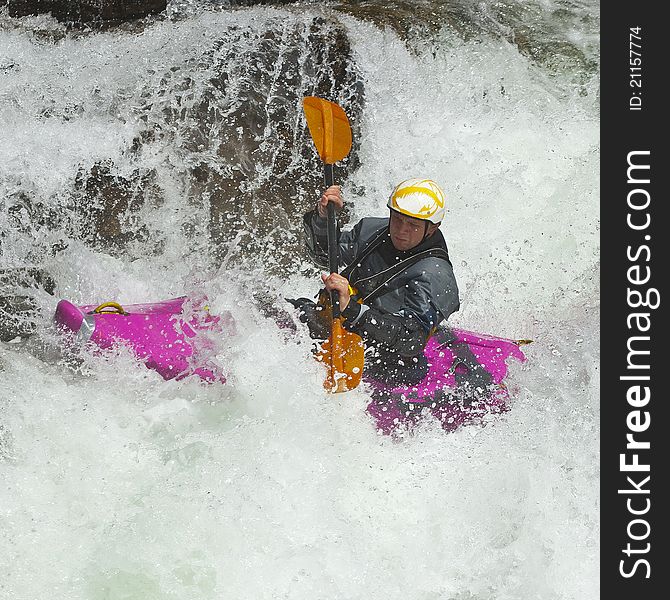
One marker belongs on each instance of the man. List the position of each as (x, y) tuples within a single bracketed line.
[(398, 284)]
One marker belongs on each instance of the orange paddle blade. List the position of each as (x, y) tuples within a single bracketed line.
[(329, 128), (342, 353)]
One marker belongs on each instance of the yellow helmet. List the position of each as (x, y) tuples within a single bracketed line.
[(418, 198)]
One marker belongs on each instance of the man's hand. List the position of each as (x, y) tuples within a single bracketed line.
[(339, 284), (332, 194)]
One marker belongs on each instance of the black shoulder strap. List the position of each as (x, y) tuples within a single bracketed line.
[(381, 280)]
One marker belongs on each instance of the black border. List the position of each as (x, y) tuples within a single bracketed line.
[(622, 131)]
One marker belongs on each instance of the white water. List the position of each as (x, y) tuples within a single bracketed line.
[(115, 484)]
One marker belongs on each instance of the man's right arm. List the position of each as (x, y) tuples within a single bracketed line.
[(316, 237)]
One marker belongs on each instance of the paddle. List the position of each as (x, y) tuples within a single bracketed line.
[(342, 352)]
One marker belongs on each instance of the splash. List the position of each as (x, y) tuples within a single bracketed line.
[(117, 484)]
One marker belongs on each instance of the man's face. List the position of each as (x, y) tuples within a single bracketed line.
[(407, 232)]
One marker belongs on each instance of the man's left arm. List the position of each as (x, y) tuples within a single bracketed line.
[(430, 298), (406, 332)]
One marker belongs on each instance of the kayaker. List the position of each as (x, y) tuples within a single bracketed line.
[(398, 285)]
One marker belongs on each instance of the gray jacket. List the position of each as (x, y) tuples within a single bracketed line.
[(397, 314)]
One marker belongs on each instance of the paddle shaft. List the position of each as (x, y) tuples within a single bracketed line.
[(333, 249), (343, 351)]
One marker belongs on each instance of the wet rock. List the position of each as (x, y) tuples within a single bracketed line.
[(18, 317), (542, 32), (265, 173), (105, 207), (33, 278), (19, 308), (233, 122), (408, 18), (88, 11), (102, 210), (233, 126), (234, 3), (26, 213), (34, 220)]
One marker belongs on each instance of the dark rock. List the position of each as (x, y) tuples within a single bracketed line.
[(31, 217), (18, 317), (410, 19), (19, 308), (541, 32), (234, 3), (26, 278), (87, 11), (105, 206), (232, 122), (249, 116)]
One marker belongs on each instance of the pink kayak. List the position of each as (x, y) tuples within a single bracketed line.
[(465, 381), (172, 337)]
